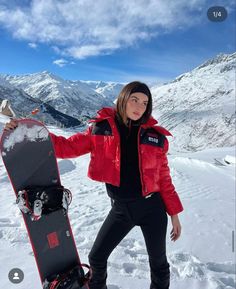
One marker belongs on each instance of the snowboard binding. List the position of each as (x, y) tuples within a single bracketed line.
[(72, 279), (43, 200)]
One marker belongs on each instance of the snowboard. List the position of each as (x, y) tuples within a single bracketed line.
[(29, 157)]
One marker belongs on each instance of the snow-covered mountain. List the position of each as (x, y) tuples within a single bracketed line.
[(109, 90), (17, 97), (23, 104), (74, 98), (199, 106)]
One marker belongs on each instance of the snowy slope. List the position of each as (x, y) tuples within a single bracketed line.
[(199, 106), (201, 259), (74, 98)]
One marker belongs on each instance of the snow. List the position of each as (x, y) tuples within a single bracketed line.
[(3, 119), (230, 159), (34, 133), (201, 259)]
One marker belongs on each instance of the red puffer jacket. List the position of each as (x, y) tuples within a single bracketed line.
[(102, 140)]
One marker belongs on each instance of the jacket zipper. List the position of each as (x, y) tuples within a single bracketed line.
[(144, 189), (115, 131)]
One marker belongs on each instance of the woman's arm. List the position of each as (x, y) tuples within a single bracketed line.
[(71, 147), (167, 189), (74, 146)]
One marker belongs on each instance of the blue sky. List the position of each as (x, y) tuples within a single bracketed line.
[(152, 41)]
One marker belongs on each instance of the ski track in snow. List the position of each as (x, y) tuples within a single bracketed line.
[(191, 266), (187, 180)]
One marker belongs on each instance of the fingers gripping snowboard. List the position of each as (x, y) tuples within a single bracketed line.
[(30, 161)]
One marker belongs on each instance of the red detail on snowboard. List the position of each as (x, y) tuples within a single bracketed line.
[(53, 240)]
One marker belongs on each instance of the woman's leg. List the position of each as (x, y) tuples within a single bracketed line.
[(114, 229), (154, 227)]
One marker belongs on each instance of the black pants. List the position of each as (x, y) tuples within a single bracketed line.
[(150, 215)]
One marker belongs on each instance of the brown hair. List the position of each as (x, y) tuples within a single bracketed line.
[(127, 90)]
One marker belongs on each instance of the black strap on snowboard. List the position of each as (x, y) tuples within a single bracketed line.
[(74, 278), (43, 200)]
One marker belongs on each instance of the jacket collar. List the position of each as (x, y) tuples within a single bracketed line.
[(110, 112), (106, 112)]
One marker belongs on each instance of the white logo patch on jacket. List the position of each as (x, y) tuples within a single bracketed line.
[(153, 139)]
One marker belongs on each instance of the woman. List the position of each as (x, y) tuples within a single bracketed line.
[(128, 153)]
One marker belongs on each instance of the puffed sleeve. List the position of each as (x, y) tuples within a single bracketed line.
[(167, 189), (74, 146)]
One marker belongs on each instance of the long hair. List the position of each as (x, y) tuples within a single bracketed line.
[(127, 90)]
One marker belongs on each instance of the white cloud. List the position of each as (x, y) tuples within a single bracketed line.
[(32, 45), (80, 28), (60, 62)]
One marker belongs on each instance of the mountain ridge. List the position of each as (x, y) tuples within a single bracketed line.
[(197, 106)]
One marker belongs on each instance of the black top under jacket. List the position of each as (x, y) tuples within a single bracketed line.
[(130, 183)]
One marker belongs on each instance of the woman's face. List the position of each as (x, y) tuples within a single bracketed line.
[(136, 105)]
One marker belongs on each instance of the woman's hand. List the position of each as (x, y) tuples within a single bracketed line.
[(176, 230), (11, 125)]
